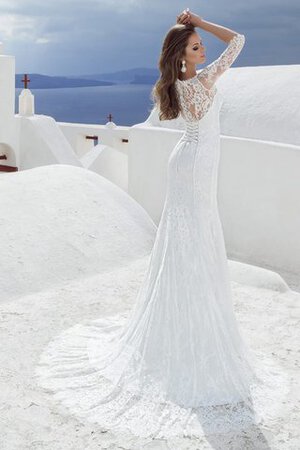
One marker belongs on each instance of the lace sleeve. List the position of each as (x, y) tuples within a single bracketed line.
[(209, 75), (196, 94)]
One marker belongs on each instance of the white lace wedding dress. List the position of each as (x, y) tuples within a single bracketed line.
[(177, 365)]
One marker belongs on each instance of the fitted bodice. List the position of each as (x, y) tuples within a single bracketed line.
[(194, 129), (195, 99)]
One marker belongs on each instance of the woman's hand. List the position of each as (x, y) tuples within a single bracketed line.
[(187, 17)]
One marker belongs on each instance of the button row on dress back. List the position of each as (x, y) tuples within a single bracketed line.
[(192, 131)]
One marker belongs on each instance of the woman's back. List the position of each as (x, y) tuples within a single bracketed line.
[(196, 94)]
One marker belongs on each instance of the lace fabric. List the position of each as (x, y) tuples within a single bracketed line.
[(85, 372), (196, 94), (177, 365)]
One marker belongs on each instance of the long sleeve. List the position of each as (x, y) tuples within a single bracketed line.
[(209, 75), (197, 93)]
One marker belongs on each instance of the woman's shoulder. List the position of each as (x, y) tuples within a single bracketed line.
[(189, 80)]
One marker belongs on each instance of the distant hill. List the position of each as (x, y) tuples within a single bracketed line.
[(38, 81), (131, 76), (144, 79)]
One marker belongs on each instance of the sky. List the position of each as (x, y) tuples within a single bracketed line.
[(71, 37)]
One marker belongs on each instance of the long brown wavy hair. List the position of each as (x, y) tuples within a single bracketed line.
[(164, 93)]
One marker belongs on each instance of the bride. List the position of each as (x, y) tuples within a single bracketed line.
[(178, 363)]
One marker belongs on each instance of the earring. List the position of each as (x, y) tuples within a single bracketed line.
[(183, 68)]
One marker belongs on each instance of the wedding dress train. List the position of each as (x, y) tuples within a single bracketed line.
[(177, 364)]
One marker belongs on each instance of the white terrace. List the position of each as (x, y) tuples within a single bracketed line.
[(259, 182), (78, 222)]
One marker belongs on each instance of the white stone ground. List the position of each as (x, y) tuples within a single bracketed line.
[(267, 311), (29, 418)]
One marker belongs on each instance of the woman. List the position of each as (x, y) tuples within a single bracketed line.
[(178, 365)]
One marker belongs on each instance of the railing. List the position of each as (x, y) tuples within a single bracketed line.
[(8, 168), (94, 138), (4, 168), (81, 136)]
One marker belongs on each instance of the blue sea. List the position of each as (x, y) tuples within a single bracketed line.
[(128, 103)]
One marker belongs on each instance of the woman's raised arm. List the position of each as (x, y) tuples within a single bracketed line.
[(210, 74)]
